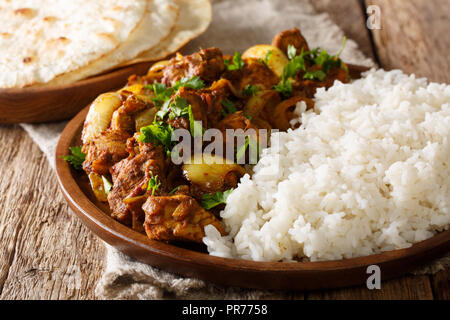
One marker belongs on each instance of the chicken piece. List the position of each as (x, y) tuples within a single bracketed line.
[(103, 151), (207, 64), (239, 120), (212, 98), (123, 117), (290, 37), (130, 182), (177, 217), (194, 99), (254, 72)]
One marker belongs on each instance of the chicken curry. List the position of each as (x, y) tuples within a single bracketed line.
[(127, 134)]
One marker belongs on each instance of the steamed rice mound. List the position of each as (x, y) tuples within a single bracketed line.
[(367, 171)]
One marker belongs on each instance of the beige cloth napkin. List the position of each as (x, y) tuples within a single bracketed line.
[(236, 25)]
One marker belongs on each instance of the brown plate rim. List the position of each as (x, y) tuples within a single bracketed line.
[(227, 271), (80, 83)]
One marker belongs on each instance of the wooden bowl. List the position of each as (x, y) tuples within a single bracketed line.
[(192, 261), (61, 102)]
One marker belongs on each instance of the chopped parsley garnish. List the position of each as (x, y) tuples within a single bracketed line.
[(317, 56), (107, 185), (178, 108), (162, 93), (212, 200), (284, 87), (229, 106), (195, 127), (191, 83), (236, 63), (158, 133), (76, 158), (164, 110), (315, 75), (250, 90), (153, 183)]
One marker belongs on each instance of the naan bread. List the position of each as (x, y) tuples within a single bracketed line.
[(195, 17), (159, 20), (41, 39)]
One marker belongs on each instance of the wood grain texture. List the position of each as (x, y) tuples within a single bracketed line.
[(414, 37), (441, 284), (405, 288), (46, 252)]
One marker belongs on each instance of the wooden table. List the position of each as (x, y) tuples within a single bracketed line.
[(44, 248)]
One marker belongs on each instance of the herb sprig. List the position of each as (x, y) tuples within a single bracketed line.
[(211, 200), (158, 133), (299, 62), (153, 183), (236, 63), (76, 158), (250, 90)]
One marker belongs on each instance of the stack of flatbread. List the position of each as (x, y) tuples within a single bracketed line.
[(50, 42)]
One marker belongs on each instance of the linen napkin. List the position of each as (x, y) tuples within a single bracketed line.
[(236, 25)]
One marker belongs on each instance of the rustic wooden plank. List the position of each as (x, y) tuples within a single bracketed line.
[(414, 37), (408, 287), (349, 16), (441, 284), (46, 252)]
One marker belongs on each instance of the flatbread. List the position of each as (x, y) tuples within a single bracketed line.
[(195, 17), (41, 39), (159, 20)]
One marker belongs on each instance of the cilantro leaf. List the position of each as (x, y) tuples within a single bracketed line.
[(178, 108), (162, 93), (191, 83), (228, 105), (284, 88), (153, 183), (250, 90), (315, 75), (76, 158), (298, 62), (107, 185), (158, 133), (236, 63), (195, 127), (212, 200)]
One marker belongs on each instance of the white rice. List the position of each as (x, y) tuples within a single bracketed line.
[(367, 172)]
